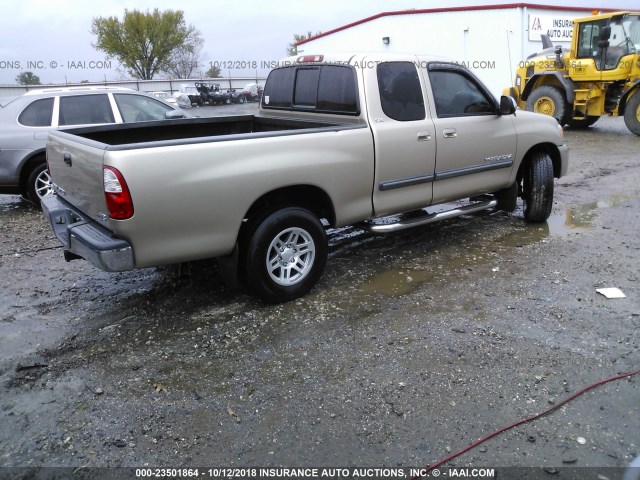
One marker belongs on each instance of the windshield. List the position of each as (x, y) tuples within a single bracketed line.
[(625, 33)]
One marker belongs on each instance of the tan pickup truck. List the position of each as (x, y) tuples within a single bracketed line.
[(338, 140)]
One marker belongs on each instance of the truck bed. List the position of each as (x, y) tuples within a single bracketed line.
[(195, 130)]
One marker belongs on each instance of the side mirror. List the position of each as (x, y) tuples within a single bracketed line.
[(171, 114), (507, 105)]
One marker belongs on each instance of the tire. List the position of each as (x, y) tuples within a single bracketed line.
[(583, 123), (286, 255), (507, 198), (241, 99), (38, 184), (549, 100), (632, 114), (537, 187)]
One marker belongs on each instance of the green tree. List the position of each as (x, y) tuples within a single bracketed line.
[(28, 78), (143, 42), (213, 72), (186, 57), (292, 48)]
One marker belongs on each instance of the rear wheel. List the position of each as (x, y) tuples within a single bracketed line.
[(38, 184), (286, 255), (632, 114), (537, 187), (549, 100)]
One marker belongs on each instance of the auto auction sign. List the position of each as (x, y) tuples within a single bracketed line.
[(559, 28)]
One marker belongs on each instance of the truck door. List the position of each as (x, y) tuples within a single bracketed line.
[(476, 146), (403, 136)]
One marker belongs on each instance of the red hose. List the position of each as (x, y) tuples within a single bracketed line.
[(504, 429)]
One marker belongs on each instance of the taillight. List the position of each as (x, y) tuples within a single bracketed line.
[(116, 192)]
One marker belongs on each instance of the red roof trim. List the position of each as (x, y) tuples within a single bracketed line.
[(454, 9)]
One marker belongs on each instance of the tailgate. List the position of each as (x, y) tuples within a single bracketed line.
[(75, 165)]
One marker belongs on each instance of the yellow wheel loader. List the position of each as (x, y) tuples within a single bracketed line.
[(599, 75)]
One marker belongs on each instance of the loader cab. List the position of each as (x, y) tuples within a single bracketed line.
[(603, 44)]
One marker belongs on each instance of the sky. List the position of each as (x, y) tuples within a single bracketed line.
[(52, 38)]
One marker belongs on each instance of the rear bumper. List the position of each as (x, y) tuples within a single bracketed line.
[(83, 237)]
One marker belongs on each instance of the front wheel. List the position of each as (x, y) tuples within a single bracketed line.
[(632, 114), (286, 255), (537, 187)]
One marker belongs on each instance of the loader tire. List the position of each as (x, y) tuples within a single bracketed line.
[(583, 122), (632, 114), (551, 101)]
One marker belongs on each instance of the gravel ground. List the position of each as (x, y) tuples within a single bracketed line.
[(411, 347)]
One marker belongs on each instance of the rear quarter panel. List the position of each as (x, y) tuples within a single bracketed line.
[(190, 199)]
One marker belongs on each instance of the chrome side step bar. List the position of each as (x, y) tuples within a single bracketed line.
[(428, 218)]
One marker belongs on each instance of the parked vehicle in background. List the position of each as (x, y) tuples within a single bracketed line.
[(26, 120), (164, 96), (176, 99), (192, 94), (212, 94), (182, 100), (253, 92), (598, 75), (236, 96), (371, 140)]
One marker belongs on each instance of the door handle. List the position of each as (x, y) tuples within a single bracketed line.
[(449, 133), (424, 136)]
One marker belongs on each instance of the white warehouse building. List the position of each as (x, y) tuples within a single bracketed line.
[(490, 40)]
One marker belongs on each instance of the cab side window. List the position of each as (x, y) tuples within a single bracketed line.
[(588, 37), (458, 95), (400, 91), (38, 113)]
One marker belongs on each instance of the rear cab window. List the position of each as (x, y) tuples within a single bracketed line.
[(320, 88)]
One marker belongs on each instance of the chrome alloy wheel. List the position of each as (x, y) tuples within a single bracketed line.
[(290, 256), (43, 184)]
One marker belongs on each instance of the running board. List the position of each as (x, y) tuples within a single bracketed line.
[(428, 218)]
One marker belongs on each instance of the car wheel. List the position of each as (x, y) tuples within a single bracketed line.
[(38, 184), (241, 99), (550, 101), (537, 187), (286, 255)]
